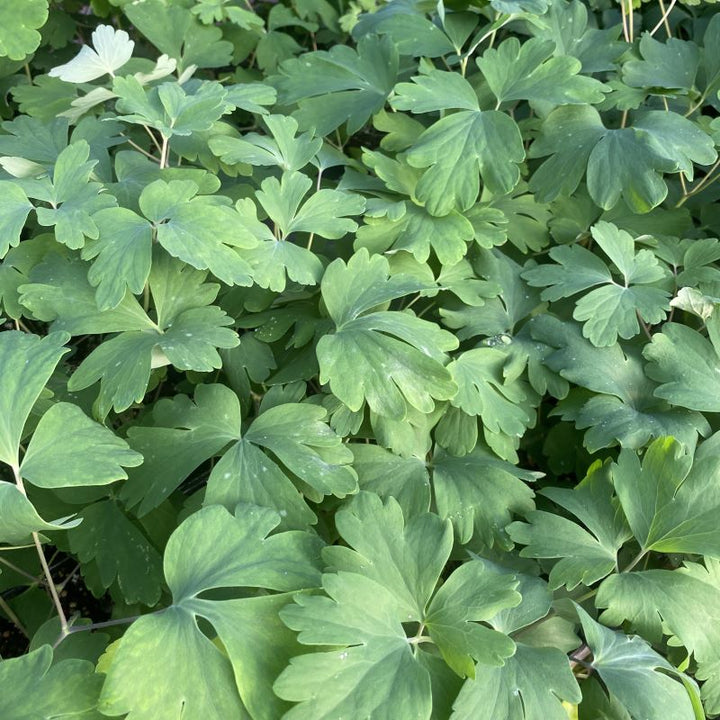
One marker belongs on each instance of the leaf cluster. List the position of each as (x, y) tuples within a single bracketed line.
[(359, 360)]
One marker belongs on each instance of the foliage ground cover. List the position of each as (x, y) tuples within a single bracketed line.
[(360, 359)]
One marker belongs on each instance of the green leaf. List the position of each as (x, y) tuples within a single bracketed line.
[(251, 97), (68, 449), (322, 213), (627, 162), (472, 594), (197, 229), (385, 580), (387, 475), (122, 364), (529, 686), (27, 362), (246, 474), (20, 36), (387, 358), (412, 34), (339, 86), (19, 519), (60, 293), (630, 669), (34, 140), (622, 406), (176, 287), (286, 150), (670, 506), (670, 65), (417, 232), (479, 493), (686, 366), (119, 552), (683, 602), (175, 31), (435, 90), (14, 209), (530, 72), (299, 439), (485, 390), (586, 554), (298, 436), (185, 434), (460, 149), (405, 558), (111, 50), (73, 197), (510, 7), (123, 255), (168, 107), (36, 688), (363, 618), (153, 674), (567, 25), (612, 307)]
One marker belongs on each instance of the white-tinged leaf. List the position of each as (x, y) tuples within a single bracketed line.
[(112, 49)]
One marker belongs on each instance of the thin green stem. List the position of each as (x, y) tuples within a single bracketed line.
[(420, 639), (43, 562), (19, 570), (141, 150), (15, 547), (709, 178), (317, 189), (644, 326), (664, 19), (12, 616), (464, 59), (635, 561), (426, 309), (153, 138), (164, 152), (626, 33), (586, 596), (104, 624)]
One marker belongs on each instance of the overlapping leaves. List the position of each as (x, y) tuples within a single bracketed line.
[(350, 335)]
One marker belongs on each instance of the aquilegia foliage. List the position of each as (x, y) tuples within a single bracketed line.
[(360, 359)]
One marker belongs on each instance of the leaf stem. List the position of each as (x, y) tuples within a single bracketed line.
[(664, 19), (164, 152), (702, 184), (153, 138), (43, 562), (16, 547), (19, 570), (635, 561), (626, 33), (13, 617), (104, 624), (420, 639), (317, 189), (585, 596), (644, 326), (493, 30), (141, 150)]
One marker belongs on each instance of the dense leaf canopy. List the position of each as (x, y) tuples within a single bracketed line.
[(359, 360)]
